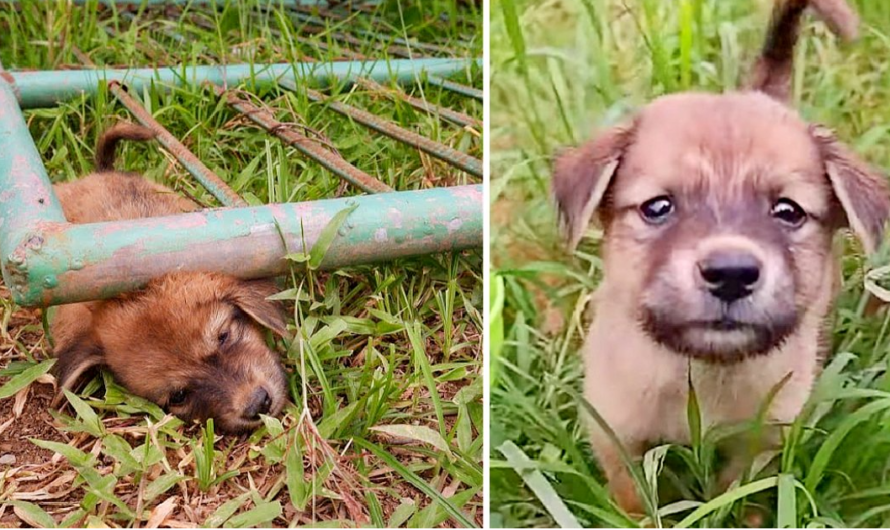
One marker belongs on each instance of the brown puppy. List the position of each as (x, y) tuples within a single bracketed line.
[(191, 342), (718, 213)]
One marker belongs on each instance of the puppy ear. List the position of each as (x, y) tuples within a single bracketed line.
[(74, 358), (862, 192), (250, 297), (581, 176)]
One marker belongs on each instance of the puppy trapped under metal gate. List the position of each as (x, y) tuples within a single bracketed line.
[(46, 260)]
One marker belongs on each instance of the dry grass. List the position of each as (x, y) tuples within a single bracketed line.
[(385, 352)]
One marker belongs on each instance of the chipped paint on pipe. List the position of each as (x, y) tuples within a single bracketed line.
[(459, 118), (458, 88), (27, 203), (86, 262), (330, 160), (46, 88), (211, 182), (454, 157)]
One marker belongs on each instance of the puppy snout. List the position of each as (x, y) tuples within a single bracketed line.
[(730, 275), (260, 403)]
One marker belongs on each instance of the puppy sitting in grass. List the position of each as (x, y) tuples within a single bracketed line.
[(718, 213), (192, 342)]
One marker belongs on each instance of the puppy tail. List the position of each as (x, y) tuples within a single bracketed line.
[(106, 147), (772, 72)]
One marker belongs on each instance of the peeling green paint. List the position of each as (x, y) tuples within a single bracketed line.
[(86, 262), (47, 88)]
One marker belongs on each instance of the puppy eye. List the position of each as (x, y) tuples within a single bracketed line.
[(657, 210), (177, 398), (789, 213), (223, 337)]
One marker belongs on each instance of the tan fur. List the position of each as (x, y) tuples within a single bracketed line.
[(725, 161), (166, 336)]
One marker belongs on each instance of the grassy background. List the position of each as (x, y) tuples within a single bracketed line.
[(385, 428), (561, 68)]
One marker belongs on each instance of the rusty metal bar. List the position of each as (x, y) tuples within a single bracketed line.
[(319, 43), (447, 154), (315, 28), (305, 15), (82, 57), (331, 161), (211, 182), (463, 90), (131, 18), (215, 185), (459, 118), (346, 52)]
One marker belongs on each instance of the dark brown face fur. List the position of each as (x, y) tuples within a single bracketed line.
[(193, 343), (722, 176), (678, 307), (726, 164), (208, 352)]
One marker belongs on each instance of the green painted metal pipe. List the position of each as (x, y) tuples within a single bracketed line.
[(46, 88), (27, 203), (85, 262), (316, 42)]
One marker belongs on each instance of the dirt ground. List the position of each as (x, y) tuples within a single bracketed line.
[(30, 473), (27, 472)]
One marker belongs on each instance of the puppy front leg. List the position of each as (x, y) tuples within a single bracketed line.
[(621, 483), (744, 450)]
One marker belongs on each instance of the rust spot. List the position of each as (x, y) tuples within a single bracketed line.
[(473, 192), (451, 115), (7, 77), (46, 228), (317, 149), (210, 180), (35, 242), (441, 151)]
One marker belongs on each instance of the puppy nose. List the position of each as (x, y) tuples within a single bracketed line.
[(730, 275), (260, 403)]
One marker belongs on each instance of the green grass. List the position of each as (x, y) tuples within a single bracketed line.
[(386, 422), (561, 69)]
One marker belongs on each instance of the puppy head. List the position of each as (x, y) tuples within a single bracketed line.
[(718, 212), (192, 343)]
